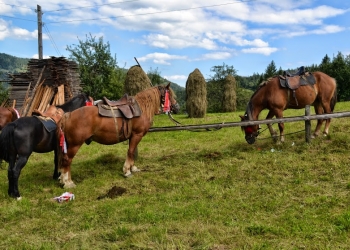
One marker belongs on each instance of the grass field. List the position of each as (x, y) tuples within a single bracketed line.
[(196, 190)]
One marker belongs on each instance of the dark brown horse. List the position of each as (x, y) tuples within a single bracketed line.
[(85, 125), (272, 96), (7, 115)]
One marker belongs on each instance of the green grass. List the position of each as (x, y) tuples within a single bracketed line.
[(197, 190)]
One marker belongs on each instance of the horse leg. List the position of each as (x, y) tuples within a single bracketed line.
[(12, 162), (65, 168), (56, 174), (318, 110), (327, 109), (14, 172), (273, 133), (130, 160), (278, 114)]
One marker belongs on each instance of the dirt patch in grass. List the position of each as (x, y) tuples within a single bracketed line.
[(112, 193)]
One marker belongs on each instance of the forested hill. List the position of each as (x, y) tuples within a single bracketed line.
[(11, 64)]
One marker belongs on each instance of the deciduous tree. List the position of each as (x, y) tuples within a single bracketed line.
[(98, 69)]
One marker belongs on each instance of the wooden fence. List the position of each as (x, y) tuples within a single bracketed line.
[(307, 118)]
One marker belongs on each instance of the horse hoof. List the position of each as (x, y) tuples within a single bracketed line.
[(135, 169), (19, 198), (69, 185), (128, 174)]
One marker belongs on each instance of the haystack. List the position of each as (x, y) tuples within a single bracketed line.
[(229, 100), (196, 95), (136, 80)]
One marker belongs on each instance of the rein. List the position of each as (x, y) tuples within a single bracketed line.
[(177, 123)]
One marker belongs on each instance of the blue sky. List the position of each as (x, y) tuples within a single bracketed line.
[(176, 37)]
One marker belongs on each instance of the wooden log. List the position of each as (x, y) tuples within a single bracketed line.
[(307, 125), (33, 103), (60, 93)]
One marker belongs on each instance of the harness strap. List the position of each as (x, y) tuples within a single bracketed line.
[(116, 124)]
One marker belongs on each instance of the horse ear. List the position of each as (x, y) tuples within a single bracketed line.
[(168, 86), (242, 117)]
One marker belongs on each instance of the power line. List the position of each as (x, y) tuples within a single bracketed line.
[(83, 7), (52, 40), (19, 18), (152, 13)]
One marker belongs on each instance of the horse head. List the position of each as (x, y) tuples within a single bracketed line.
[(251, 131), (174, 106)]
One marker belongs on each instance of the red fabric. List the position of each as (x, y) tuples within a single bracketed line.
[(88, 103), (166, 107), (62, 139), (248, 130)]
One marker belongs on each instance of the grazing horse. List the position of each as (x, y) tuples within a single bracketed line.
[(7, 115), (271, 95), (86, 124), (29, 134)]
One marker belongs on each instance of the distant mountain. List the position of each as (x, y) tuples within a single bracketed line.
[(11, 64)]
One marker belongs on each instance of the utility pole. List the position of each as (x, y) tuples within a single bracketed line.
[(40, 31)]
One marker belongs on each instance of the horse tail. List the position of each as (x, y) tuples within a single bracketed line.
[(334, 98), (6, 141)]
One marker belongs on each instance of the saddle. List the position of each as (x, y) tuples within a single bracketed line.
[(293, 81), (125, 107), (52, 113)]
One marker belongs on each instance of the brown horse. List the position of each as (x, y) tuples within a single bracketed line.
[(272, 96), (86, 125), (7, 115)]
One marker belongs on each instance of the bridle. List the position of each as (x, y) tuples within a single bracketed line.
[(163, 92), (249, 131)]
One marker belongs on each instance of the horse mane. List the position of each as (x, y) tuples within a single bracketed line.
[(250, 105), (149, 101), (262, 84)]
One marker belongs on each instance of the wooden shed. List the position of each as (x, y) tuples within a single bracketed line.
[(46, 82)]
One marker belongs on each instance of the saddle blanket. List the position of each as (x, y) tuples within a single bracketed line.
[(48, 123)]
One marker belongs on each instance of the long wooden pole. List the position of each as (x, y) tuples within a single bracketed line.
[(247, 123)]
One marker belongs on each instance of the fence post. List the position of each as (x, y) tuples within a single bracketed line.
[(307, 125)]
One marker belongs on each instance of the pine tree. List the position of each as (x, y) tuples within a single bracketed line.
[(271, 70)]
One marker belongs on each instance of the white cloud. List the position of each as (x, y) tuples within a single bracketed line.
[(327, 29), (262, 50), (20, 33), (160, 58), (8, 31), (36, 56), (4, 32), (215, 56), (175, 78)]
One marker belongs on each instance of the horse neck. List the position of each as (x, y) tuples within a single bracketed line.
[(72, 104), (149, 101), (258, 102)]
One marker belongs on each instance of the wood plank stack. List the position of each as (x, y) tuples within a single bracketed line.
[(47, 82)]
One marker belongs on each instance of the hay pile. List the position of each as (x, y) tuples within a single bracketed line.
[(136, 80), (229, 100), (196, 95)]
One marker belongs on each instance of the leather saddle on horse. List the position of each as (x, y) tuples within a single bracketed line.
[(295, 80), (125, 107), (50, 117)]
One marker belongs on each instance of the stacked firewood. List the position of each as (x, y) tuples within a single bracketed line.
[(47, 82)]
